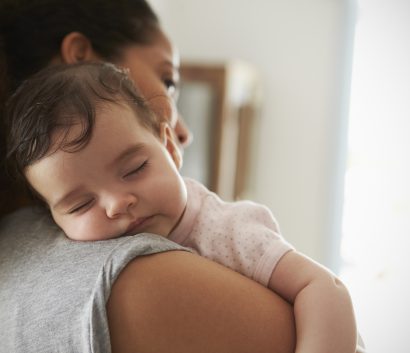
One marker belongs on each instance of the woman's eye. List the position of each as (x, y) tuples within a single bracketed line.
[(172, 87), (137, 170), (82, 207)]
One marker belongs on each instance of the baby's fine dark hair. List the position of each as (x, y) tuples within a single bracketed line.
[(60, 96)]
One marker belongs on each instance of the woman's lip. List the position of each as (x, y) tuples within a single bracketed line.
[(134, 226)]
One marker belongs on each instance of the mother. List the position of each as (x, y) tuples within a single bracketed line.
[(57, 295)]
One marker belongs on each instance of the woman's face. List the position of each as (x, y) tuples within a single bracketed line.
[(155, 70)]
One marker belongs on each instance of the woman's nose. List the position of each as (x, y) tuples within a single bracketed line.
[(182, 132), (119, 205)]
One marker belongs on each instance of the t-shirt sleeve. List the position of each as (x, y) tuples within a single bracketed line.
[(95, 324), (53, 290)]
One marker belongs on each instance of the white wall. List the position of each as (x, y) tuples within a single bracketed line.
[(302, 49)]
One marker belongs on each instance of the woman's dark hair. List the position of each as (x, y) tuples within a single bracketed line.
[(59, 97), (32, 30), (31, 33)]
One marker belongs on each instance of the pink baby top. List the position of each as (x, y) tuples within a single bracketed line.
[(243, 236)]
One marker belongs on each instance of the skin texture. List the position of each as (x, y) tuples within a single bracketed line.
[(324, 314), (195, 305)]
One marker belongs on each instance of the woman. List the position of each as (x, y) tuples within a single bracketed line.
[(58, 295)]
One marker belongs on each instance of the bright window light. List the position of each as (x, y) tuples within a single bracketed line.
[(376, 220)]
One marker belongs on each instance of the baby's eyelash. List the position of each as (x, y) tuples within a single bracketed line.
[(137, 170), (80, 207)]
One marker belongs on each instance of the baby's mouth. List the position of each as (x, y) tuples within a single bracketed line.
[(136, 226)]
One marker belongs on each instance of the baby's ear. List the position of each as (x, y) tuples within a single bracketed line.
[(169, 139), (75, 48)]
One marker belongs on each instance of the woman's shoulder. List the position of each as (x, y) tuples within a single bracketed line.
[(49, 279), (24, 222), (30, 241)]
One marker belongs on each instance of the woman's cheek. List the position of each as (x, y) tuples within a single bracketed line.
[(164, 108)]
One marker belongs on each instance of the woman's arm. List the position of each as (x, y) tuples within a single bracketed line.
[(179, 302)]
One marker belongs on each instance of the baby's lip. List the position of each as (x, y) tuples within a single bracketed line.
[(136, 225)]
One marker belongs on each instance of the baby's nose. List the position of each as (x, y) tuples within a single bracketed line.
[(120, 205)]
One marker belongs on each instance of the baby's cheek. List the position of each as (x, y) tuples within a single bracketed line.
[(91, 228), (80, 228), (76, 230)]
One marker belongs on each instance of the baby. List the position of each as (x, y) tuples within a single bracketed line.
[(106, 166)]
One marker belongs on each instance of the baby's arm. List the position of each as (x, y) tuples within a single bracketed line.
[(323, 309)]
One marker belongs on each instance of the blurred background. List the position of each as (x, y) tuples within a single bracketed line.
[(322, 133)]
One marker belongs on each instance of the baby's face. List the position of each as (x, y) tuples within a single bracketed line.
[(124, 181)]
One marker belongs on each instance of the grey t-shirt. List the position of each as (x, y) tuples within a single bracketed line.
[(53, 290)]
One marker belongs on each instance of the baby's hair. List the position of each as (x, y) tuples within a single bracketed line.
[(59, 97)]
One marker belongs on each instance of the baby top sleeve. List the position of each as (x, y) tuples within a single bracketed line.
[(243, 236)]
